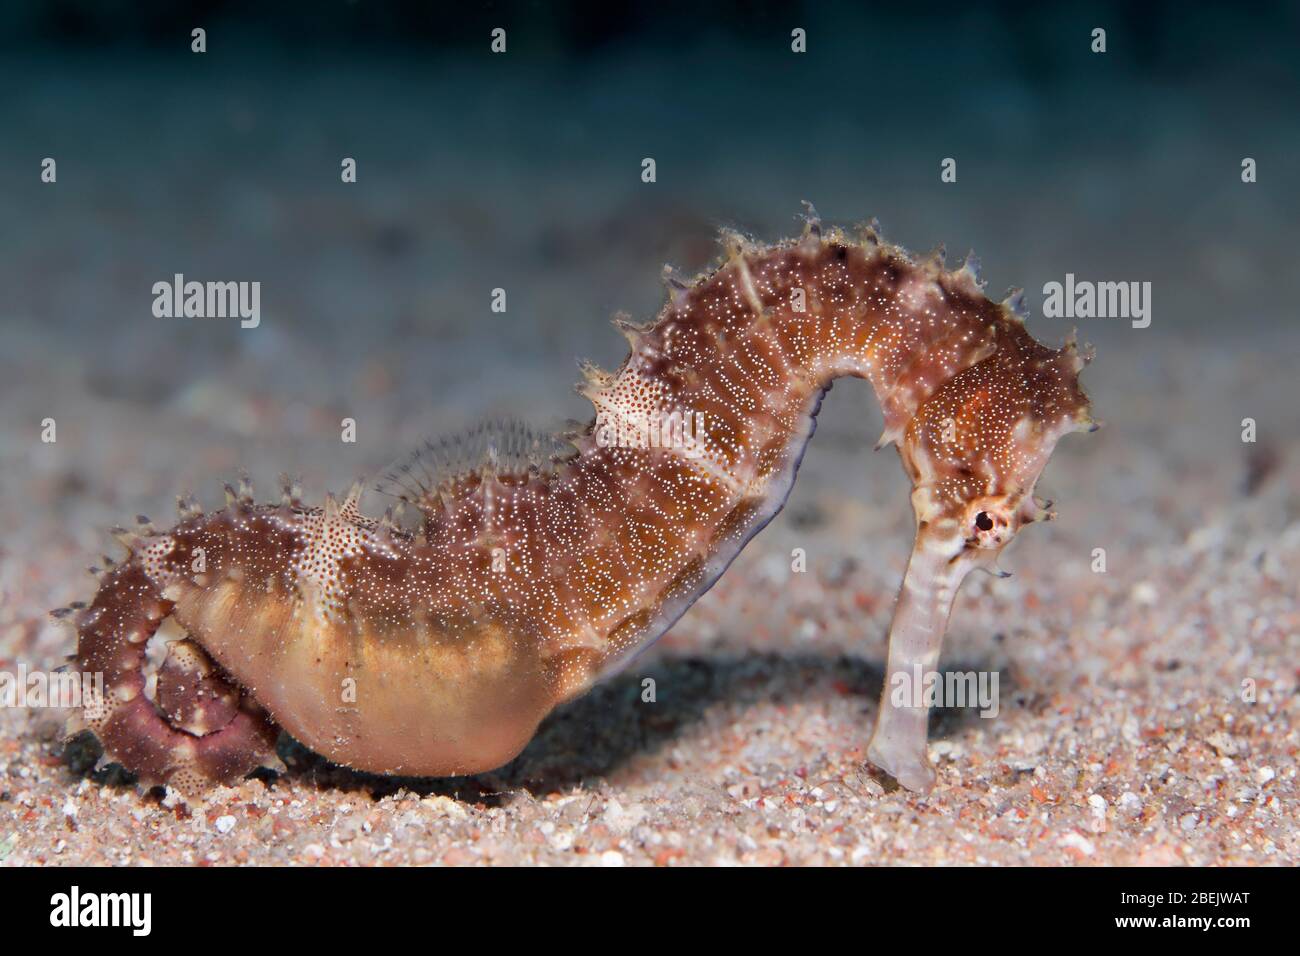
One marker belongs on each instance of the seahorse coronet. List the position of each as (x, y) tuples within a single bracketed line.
[(544, 563)]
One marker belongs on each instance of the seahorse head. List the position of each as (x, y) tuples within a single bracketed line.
[(976, 447)]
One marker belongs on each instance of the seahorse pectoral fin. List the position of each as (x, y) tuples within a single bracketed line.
[(934, 574)]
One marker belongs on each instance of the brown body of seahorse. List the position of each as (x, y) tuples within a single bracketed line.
[(437, 650)]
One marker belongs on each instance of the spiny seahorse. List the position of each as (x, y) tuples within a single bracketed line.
[(437, 650)]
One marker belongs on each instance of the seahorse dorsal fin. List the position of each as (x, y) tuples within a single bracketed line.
[(502, 448)]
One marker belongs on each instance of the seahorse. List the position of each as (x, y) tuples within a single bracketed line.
[(536, 569)]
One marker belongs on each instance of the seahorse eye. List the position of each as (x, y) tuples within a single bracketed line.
[(983, 521)]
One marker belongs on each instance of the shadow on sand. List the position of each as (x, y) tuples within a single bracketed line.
[(591, 737)]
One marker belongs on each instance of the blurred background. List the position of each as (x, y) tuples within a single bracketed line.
[(522, 171)]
